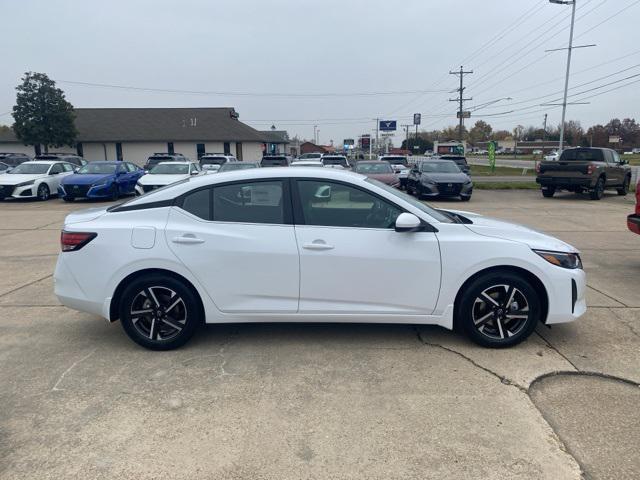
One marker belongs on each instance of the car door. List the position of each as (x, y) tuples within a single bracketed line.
[(351, 258), (617, 170), (238, 240), (54, 177)]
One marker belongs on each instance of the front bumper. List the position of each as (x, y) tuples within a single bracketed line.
[(568, 301), (85, 191), (633, 223), (447, 189), (26, 191)]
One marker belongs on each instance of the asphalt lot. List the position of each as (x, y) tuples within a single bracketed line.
[(80, 400)]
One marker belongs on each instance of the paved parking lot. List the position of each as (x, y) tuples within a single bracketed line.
[(80, 400)]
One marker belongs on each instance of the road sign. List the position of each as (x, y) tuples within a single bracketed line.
[(365, 141), (349, 141), (614, 139), (416, 118), (492, 155), (388, 125), (465, 114)]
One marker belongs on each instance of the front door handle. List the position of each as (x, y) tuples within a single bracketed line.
[(317, 245), (187, 238)]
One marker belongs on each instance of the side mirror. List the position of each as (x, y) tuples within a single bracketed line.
[(408, 222), (76, 170), (194, 172), (323, 193)]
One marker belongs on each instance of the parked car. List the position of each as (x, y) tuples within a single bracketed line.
[(13, 159), (537, 152), (585, 169), (157, 158), (232, 167), (103, 179), (275, 161), (76, 160), (307, 163), (379, 170), (335, 161), (211, 162), (633, 220), (310, 156), (396, 161), (4, 168), (460, 160), (403, 174), (166, 173), (245, 247), (439, 178), (39, 179), (551, 157)]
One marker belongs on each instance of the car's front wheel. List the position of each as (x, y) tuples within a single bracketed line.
[(159, 312), (625, 186), (43, 192), (548, 192), (499, 309)]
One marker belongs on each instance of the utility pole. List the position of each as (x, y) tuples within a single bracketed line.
[(461, 99), (377, 134), (566, 80), (315, 136), (544, 128)]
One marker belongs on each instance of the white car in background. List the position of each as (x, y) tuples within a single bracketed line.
[(4, 167), (166, 173), (34, 179), (211, 162), (307, 163), (267, 245), (552, 157), (335, 161)]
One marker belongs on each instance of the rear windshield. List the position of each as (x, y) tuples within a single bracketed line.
[(213, 161), (373, 168), (273, 162), (334, 161), (310, 156), (395, 160), (582, 156)]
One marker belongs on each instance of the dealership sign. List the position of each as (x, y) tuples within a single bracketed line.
[(388, 125)]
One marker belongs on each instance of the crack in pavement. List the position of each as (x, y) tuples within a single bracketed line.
[(608, 296), (26, 285), (555, 349), (624, 322)]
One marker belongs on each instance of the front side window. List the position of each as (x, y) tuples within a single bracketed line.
[(333, 204), (56, 169), (68, 167), (251, 202)]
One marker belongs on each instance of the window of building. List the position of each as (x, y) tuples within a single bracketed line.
[(200, 150), (79, 149), (227, 148), (239, 151), (170, 149), (119, 151)]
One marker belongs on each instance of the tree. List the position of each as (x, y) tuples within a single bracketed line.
[(480, 132), (573, 133), (42, 114), (500, 135)]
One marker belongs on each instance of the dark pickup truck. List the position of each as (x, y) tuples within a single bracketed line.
[(580, 170)]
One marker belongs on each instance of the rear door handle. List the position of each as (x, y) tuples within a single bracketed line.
[(187, 238), (317, 245)]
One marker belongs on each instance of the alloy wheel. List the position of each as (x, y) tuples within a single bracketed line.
[(500, 312), (43, 192), (158, 313)]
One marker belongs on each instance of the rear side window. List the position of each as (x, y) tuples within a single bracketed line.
[(198, 203), (253, 202)]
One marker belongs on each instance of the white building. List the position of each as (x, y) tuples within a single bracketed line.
[(133, 134)]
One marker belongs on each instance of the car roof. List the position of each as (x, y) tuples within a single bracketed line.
[(174, 163), (43, 162)]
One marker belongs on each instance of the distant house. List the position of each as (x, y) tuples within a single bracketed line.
[(309, 147), (135, 133)]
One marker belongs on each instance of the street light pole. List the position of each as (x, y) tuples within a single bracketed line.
[(566, 79)]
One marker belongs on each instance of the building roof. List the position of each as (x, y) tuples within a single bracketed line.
[(159, 124), (275, 136)]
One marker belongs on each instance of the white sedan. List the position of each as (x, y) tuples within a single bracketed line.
[(310, 245), (166, 173), (34, 179)]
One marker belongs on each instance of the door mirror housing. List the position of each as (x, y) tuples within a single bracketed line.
[(408, 222)]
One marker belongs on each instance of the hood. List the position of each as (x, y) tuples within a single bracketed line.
[(85, 215), (159, 179), (85, 178), (388, 178), (446, 177), (492, 227), (14, 179)]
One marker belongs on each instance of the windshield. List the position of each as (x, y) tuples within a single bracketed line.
[(395, 160), (170, 169), (213, 161), (373, 168), (439, 167), (310, 156), (582, 156), (30, 169), (414, 202), (97, 168), (334, 161), (236, 166)]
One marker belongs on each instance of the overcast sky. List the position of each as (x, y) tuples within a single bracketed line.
[(297, 48)]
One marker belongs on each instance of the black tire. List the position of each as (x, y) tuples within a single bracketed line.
[(625, 186), (167, 307), (43, 192), (507, 320), (598, 190), (68, 199), (548, 192), (408, 190), (115, 193), (465, 198)]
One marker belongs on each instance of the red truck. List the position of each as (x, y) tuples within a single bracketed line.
[(633, 220)]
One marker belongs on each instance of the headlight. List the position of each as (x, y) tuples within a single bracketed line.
[(101, 183), (24, 184), (428, 180), (560, 259)]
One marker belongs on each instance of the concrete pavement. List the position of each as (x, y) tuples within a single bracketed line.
[(323, 401)]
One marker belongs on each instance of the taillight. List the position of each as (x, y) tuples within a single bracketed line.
[(72, 241), (590, 169), (537, 168)]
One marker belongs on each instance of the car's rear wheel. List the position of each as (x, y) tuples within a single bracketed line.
[(159, 312), (625, 186), (598, 190), (43, 192), (499, 310), (548, 192)]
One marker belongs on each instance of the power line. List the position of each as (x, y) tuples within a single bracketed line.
[(608, 18)]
